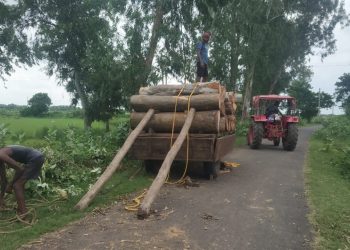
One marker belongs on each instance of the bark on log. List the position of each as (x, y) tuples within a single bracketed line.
[(222, 125), (153, 191), (203, 122), (141, 103), (113, 166), (174, 90)]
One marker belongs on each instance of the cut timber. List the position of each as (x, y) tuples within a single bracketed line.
[(90, 195), (206, 122), (153, 191), (227, 123), (142, 103), (174, 90), (229, 108)]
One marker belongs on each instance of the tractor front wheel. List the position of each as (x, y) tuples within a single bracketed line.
[(291, 139), (256, 133)]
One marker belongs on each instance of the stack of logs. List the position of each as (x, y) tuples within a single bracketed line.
[(215, 108)]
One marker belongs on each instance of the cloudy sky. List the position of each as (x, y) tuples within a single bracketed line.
[(23, 84)]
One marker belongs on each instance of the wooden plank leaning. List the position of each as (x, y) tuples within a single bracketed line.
[(144, 209), (114, 165)]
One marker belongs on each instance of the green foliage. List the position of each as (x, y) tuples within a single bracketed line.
[(13, 39), (333, 133), (342, 92), (242, 128), (3, 134), (328, 192), (307, 101), (38, 105)]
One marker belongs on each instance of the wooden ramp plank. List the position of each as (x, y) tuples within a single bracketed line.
[(114, 165)]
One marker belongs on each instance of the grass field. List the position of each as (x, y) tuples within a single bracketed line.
[(329, 195), (31, 125), (36, 128)]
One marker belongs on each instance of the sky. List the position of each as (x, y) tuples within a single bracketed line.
[(327, 72), (24, 83)]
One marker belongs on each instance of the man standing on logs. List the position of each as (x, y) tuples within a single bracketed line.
[(202, 58)]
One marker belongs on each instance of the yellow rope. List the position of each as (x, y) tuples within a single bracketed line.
[(181, 180), (231, 164), (31, 204), (136, 201)]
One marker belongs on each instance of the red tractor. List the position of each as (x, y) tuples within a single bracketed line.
[(269, 122)]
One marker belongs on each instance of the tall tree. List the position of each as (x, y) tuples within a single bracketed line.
[(68, 34), (13, 40)]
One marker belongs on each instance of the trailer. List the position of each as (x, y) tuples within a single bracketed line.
[(209, 149)]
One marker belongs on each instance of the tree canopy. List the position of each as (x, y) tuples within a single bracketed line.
[(38, 105), (104, 51)]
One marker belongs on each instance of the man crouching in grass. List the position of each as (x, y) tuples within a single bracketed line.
[(27, 163)]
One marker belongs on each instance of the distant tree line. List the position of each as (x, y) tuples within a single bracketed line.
[(39, 106), (104, 51)]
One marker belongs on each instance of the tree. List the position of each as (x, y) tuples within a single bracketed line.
[(13, 40), (326, 100), (307, 101), (69, 35), (342, 92), (38, 105)]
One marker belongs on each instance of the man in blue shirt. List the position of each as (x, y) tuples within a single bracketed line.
[(202, 58), (27, 163)]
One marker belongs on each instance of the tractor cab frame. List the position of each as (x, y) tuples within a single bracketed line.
[(276, 126)]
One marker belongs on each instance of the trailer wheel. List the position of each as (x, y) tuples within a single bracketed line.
[(152, 166), (211, 169)]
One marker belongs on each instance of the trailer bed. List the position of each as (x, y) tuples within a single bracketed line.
[(202, 147)]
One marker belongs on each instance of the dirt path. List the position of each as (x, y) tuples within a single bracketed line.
[(260, 205)]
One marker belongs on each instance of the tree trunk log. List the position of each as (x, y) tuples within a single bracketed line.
[(90, 195), (141, 103), (203, 122), (153, 191), (174, 90)]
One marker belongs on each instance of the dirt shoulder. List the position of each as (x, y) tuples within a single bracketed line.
[(259, 205)]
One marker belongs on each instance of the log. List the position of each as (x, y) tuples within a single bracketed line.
[(222, 125), (206, 122), (113, 166), (174, 90), (227, 123), (144, 209), (229, 108), (141, 103)]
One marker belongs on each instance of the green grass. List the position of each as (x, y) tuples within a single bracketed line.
[(56, 215), (30, 125), (329, 196)]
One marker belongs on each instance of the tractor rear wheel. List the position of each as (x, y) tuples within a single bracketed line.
[(291, 139), (257, 133)]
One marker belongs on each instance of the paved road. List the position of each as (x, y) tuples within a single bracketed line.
[(260, 205)]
